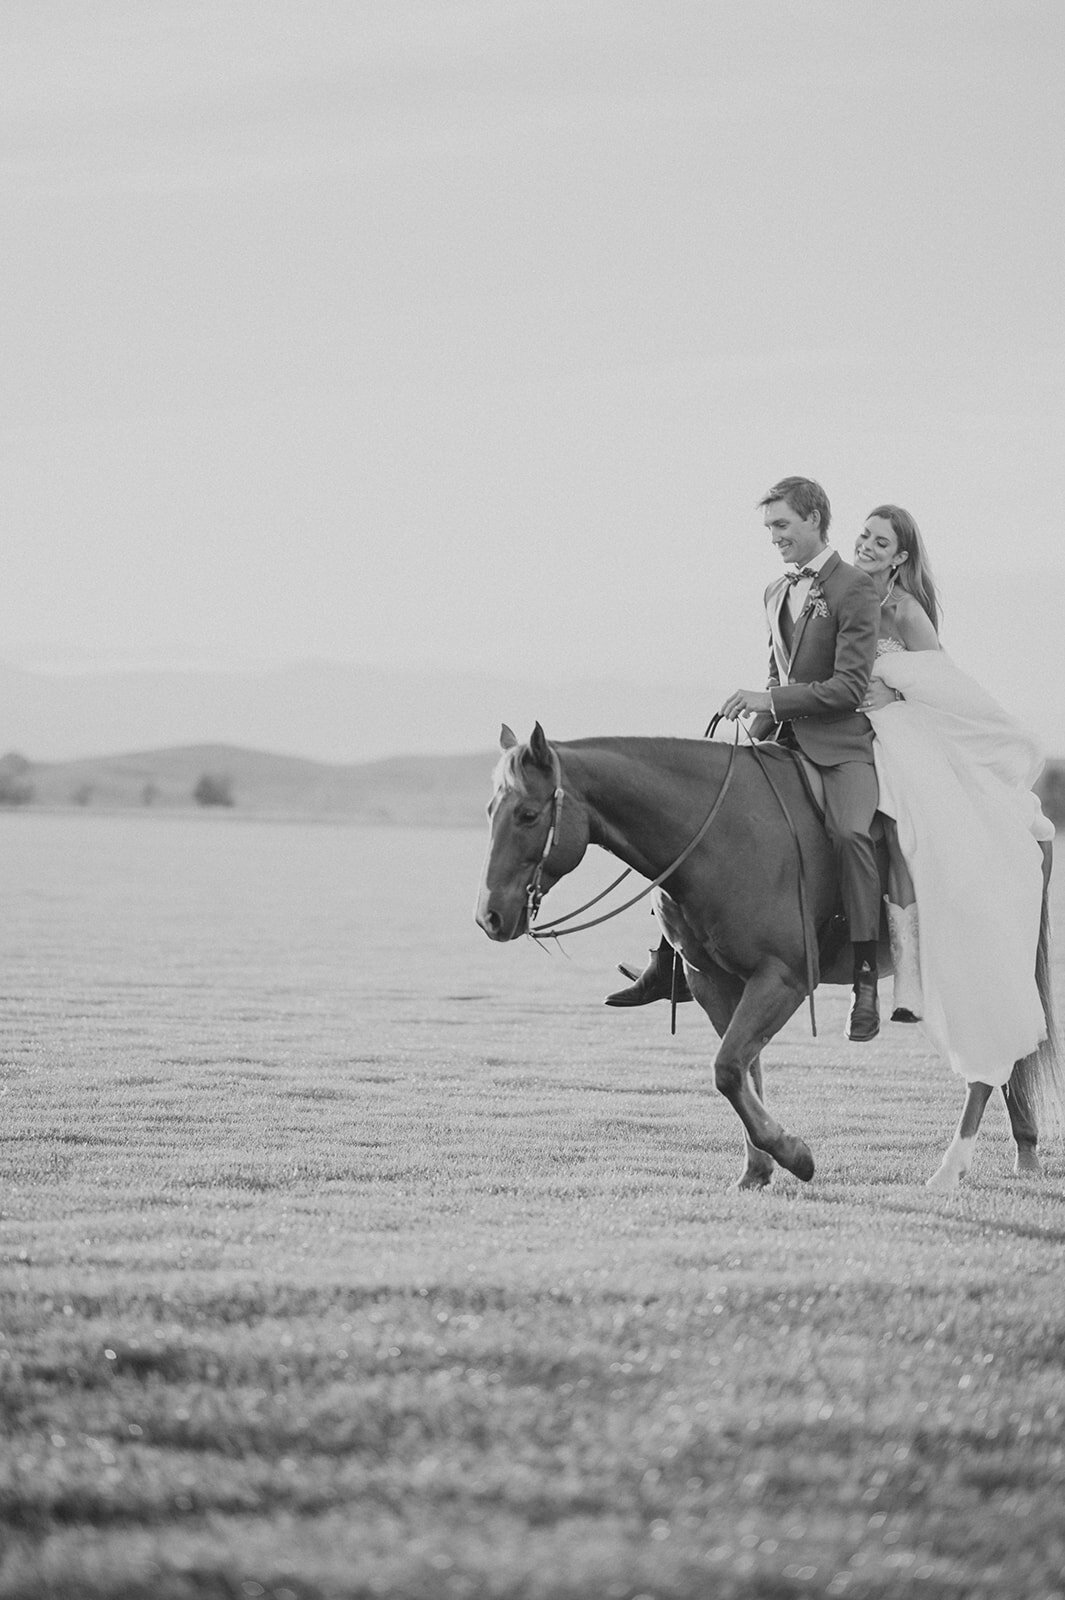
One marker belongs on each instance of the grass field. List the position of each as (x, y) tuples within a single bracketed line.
[(344, 1254)]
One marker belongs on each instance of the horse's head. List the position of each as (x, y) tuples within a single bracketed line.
[(539, 832)]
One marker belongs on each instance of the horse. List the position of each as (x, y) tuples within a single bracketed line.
[(748, 897)]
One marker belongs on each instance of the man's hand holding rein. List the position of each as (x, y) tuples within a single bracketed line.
[(745, 700)]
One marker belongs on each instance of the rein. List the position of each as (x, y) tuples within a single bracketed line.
[(534, 892)]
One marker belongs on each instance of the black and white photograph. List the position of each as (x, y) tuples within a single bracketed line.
[(532, 735)]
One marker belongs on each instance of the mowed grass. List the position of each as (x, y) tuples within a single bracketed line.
[(387, 1269)]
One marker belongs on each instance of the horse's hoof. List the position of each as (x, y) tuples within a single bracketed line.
[(794, 1156), (957, 1159), (1026, 1163), (947, 1178), (755, 1178)]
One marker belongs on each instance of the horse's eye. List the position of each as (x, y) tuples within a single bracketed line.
[(527, 816)]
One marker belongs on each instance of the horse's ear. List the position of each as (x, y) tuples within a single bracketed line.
[(539, 749), (507, 739)]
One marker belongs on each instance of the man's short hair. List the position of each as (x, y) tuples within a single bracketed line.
[(804, 496)]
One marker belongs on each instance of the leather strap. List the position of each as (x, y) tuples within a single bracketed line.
[(804, 909)]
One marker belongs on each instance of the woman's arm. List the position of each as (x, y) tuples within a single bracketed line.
[(917, 633), (915, 625)]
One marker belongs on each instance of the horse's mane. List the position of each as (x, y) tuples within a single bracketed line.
[(508, 774)]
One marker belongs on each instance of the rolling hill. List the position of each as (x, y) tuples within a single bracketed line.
[(448, 790)]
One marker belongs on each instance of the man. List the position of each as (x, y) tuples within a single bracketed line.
[(824, 618)]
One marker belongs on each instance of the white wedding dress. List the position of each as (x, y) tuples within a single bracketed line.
[(956, 773)]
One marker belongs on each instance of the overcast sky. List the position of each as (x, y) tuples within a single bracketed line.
[(467, 333)]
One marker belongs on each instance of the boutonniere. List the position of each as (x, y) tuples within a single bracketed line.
[(816, 602)]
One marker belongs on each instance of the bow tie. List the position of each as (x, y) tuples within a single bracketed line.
[(803, 572)]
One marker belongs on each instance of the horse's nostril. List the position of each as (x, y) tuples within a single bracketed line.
[(490, 921)]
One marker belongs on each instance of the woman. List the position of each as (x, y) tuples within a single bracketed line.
[(967, 834)]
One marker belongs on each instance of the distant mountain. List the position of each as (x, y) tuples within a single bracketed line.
[(323, 711), (424, 790)]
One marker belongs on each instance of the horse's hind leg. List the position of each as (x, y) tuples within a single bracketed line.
[(1023, 1126), (958, 1156), (1020, 1104)]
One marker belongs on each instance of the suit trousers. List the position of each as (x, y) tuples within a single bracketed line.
[(851, 796)]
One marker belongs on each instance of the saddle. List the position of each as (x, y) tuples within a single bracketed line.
[(811, 777), (812, 780)]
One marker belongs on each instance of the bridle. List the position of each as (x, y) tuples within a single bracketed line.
[(534, 891)]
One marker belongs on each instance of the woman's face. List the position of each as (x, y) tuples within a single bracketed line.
[(877, 548)]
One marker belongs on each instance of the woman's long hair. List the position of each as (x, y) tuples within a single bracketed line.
[(914, 575)]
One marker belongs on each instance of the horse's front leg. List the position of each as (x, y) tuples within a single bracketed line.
[(958, 1156), (719, 993), (758, 1164), (770, 996)]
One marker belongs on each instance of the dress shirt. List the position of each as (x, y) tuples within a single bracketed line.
[(798, 592)]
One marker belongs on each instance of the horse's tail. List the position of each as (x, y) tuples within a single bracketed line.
[(1039, 1079)]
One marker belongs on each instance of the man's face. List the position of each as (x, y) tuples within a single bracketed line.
[(797, 538)]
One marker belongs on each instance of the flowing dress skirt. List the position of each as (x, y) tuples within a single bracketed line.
[(956, 773)]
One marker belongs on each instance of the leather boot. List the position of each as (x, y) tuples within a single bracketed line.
[(902, 926), (863, 1022), (655, 982)]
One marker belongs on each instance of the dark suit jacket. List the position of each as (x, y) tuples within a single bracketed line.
[(833, 648)]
